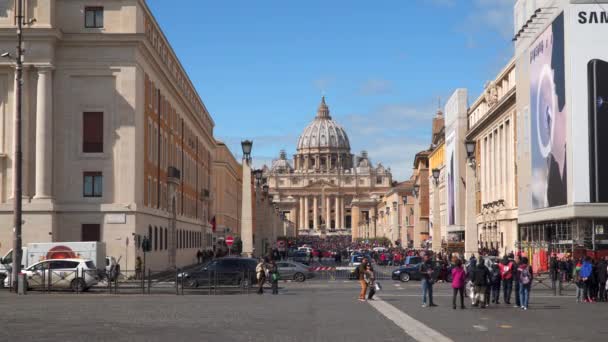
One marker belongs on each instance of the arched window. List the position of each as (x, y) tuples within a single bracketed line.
[(165, 238), (150, 233)]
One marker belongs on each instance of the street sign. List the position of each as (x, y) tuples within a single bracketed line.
[(229, 241)]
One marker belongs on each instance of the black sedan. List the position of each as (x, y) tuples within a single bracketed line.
[(229, 271), (412, 272)]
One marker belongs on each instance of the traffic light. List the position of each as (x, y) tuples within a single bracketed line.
[(146, 244)]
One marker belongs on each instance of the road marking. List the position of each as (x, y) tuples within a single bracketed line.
[(416, 329), (505, 326), (480, 327)]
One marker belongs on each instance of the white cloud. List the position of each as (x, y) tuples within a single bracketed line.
[(324, 83), (376, 87), (392, 134)]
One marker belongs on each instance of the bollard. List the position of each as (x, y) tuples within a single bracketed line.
[(21, 284)]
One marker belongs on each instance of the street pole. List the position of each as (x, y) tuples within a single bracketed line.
[(17, 181)]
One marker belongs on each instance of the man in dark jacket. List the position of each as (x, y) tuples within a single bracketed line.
[(427, 271), (553, 270), (602, 276), (481, 279)]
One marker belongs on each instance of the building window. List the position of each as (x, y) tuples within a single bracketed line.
[(165, 238), (379, 180), (91, 232), (92, 184), (155, 238), (92, 132), (93, 17), (160, 237)]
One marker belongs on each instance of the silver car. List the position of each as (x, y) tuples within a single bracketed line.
[(290, 270)]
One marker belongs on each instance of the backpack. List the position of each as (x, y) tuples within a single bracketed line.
[(524, 277)]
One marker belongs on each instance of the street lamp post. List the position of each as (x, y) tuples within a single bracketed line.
[(17, 178), (246, 205)]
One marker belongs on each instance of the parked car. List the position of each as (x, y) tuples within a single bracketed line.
[(301, 257), (406, 273), (355, 259), (412, 260), (289, 270), (225, 271), (75, 274)]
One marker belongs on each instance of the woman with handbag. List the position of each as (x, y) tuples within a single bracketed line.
[(370, 279), (274, 277)]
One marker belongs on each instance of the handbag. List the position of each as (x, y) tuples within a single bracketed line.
[(378, 287)]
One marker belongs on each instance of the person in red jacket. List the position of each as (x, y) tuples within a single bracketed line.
[(506, 274)]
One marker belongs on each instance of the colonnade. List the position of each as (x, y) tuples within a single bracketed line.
[(306, 214)]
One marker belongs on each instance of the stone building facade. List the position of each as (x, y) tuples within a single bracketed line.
[(492, 126), (227, 193), (117, 143), (325, 189)]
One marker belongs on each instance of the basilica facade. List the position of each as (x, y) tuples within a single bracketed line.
[(325, 189)]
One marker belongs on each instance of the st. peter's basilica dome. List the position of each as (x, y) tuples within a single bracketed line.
[(323, 133)]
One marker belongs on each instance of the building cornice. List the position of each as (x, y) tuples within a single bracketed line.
[(500, 108)]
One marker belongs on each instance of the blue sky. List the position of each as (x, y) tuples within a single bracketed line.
[(261, 66)]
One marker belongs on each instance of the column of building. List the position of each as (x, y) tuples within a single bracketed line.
[(327, 212), (337, 211), (315, 213), (44, 133)]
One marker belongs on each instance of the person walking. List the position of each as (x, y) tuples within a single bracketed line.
[(506, 276), (495, 281), (458, 280), (260, 273), (585, 275), (516, 281), (525, 283), (138, 267), (427, 271), (481, 280), (553, 270), (274, 277), (602, 276), (370, 279), (578, 281), (360, 275)]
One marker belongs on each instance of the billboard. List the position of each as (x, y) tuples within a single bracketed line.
[(455, 157), (451, 174), (548, 116), (588, 53)]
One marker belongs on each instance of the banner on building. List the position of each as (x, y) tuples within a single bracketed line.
[(548, 109)]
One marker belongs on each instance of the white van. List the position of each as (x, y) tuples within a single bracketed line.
[(37, 252)]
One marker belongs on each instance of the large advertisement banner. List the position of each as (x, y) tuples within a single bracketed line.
[(549, 184), (588, 53), (455, 157), (450, 155)]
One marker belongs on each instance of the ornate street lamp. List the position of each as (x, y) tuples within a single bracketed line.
[(436, 173), (470, 146), (246, 145), (416, 191)]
